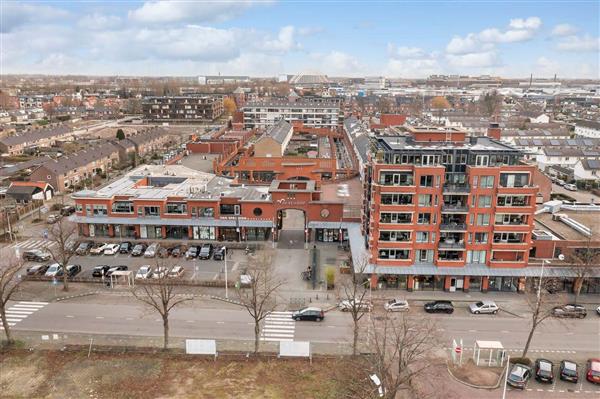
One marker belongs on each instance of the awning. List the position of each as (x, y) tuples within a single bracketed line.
[(172, 222), (328, 225)]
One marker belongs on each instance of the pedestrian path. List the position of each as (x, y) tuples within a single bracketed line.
[(520, 350), (279, 326), (33, 243), (20, 311)]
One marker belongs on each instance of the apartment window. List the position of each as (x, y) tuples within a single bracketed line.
[(150, 210), (435, 201), (485, 201), (394, 235), (430, 160), (437, 180), (512, 238), (482, 160), (394, 217), (424, 256), (394, 254), (100, 210), (178, 208), (88, 209), (483, 219), (447, 158), (476, 256), (396, 199), (426, 181), (513, 219), (471, 216), (514, 179), (515, 200), (396, 178), (122, 207), (487, 181), (424, 199), (422, 236), (475, 180), (424, 218), (433, 236), (78, 208), (481, 238)]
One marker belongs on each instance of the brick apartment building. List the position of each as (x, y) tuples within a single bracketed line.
[(186, 109), (446, 211), (311, 113)]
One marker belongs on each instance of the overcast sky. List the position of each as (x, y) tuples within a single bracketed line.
[(267, 38)]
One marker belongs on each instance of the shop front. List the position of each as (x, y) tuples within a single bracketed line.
[(429, 283), (257, 233), (503, 284), (177, 232)]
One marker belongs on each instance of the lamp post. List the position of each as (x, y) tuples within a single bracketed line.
[(225, 260), (539, 291)]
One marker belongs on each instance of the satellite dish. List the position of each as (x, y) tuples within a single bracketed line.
[(561, 257)]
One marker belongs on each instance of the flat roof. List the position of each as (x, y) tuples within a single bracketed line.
[(589, 219), (408, 143)]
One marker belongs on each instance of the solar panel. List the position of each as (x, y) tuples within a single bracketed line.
[(593, 163), (554, 142), (538, 142), (588, 142), (572, 142)]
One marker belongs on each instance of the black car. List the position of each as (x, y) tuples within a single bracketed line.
[(439, 307), (205, 251), (310, 314), (67, 210), (569, 371), (73, 270), (83, 248), (37, 269), (36, 255), (569, 310), (100, 270), (519, 375), (138, 250), (114, 269), (220, 253), (178, 251), (544, 370), (125, 247)]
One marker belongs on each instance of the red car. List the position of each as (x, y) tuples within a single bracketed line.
[(593, 371)]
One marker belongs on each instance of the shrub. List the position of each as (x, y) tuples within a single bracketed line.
[(521, 360), (330, 277)]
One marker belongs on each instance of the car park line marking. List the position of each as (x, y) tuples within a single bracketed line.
[(16, 316), (34, 303), (99, 317), (69, 316)]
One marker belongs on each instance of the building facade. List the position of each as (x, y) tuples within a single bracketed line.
[(186, 109), (310, 113)]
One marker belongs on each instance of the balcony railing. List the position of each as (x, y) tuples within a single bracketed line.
[(456, 188), (451, 245), (453, 227), (509, 242), (455, 208)]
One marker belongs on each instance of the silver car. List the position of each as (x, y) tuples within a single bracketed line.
[(484, 307)]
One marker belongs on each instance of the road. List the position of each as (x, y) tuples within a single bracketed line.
[(580, 196)]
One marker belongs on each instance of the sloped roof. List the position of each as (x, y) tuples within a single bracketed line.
[(39, 184), (279, 132), (590, 164), (32, 136), (81, 158)]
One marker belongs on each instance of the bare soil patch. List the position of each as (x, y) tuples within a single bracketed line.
[(481, 376)]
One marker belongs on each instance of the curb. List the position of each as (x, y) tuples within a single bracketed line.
[(218, 298), (486, 387), (64, 298)]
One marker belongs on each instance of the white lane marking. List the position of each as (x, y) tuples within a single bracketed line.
[(13, 320), (99, 317), (16, 316), (29, 307), (268, 331), (277, 312), (277, 339), (129, 318), (69, 316), (33, 303), (220, 322), (15, 312), (472, 330), (279, 335)]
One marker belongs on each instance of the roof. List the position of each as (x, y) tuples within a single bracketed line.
[(589, 124), (147, 136), (39, 184), (590, 164), (302, 103), (11, 170), (22, 190), (407, 143), (363, 146), (280, 131), (81, 158), (564, 133), (564, 231), (31, 136)]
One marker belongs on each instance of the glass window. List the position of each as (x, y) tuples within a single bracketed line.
[(122, 207), (424, 199), (394, 254), (395, 217), (487, 181), (422, 236), (485, 201), (424, 218), (426, 181), (483, 219)]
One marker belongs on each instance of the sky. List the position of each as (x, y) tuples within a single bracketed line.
[(396, 39)]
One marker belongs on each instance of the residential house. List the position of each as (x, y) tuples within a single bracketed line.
[(46, 137), (587, 128), (27, 191), (587, 169)]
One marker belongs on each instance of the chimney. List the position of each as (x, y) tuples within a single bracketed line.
[(494, 131)]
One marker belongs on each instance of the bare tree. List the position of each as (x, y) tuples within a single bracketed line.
[(159, 294), (582, 263), (63, 235), (9, 282), (491, 103), (541, 309), (353, 293), (259, 299)]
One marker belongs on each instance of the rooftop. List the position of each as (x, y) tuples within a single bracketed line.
[(287, 104), (476, 143), (31, 136), (562, 230)]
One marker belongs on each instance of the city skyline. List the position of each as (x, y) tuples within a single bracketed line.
[(268, 38)]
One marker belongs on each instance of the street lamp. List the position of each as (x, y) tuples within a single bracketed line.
[(225, 260), (539, 291)]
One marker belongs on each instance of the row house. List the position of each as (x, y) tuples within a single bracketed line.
[(45, 137)]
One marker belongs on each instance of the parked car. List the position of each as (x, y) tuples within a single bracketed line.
[(544, 370), (125, 247), (98, 248), (144, 272), (37, 255), (100, 270), (37, 269), (348, 305), (73, 270), (160, 272), (178, 251), (138, 250), (115, 269), (54, 270), (67, 210), (439, 307), (176, 271), (519, 376), (151, 251), (483, 307), (310, 314), (598, 310), (163, 252), (205, 251), (111, 249), (570, 187), (560, 182), (220, 252), (396, 305), (83, 248), (192, 252), (52, 218), (569, 310), (592, 373), (569, 371)]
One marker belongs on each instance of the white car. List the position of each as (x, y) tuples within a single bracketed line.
[(176, 271), (361, 306), (111, 249), (483, 307), (54, 270), (160, 272), (570, 187), (151, 251), (396, 305), (145, 272), (98, 249)]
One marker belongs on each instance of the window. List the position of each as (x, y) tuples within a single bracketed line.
[(424, 218), (424, 199), (78, 207), (514, 179), (150, 210), (475, 179), (426, 181), (88, 209), (422, 236), (515, 200), (122, 207), (512, 238), (100, 210), (476, 256), (396, 178), (424, 256), (430, 160), (394, 217), (483, 219), (257, 212), (485, 201), (481, 238), (394, 236), (394, 254), (481, 160), (487, 181), (505, 218), (177, 208), (396, 199)]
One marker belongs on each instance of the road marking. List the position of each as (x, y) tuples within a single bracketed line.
[(16, 312), (472, 330), (34, 303), (504, 331), (17, 316), (69, 316), (129, 318), (277, 339), (275, 335), (189, 321), (330, 326), (13, 320), (99, 317), (220, 322), (28, 307), (278, 325)]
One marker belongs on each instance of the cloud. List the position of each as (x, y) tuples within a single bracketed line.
[(531, 23), (564, 30), (412, 68), (474, 60), (547, 67), (466, 45), (494, 35), (168, 11), (284, 42), (98, 21), (310, 30), (406, 52), (335, 63), (15, 15), (582, 44)]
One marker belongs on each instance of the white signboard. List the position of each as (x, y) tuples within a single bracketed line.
[(201, 347), (294, 349)]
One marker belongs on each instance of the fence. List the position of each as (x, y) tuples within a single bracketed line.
[(22, 210)]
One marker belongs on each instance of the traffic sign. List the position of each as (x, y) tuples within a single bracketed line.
[(458, 349)]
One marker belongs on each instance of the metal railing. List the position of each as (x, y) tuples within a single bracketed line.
[(451, 245), (453, 226), (456, 188), (454, 208)]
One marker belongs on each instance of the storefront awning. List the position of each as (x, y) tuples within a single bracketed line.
[(172, 222), (328, 225)]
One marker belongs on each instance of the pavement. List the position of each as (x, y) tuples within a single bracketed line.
[(579, 195)]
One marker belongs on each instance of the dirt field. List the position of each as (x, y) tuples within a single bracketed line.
[(54, 374)]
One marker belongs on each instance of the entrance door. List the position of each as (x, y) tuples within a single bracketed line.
[(143, 232), (459, 283), (92, 230), (452, 284)]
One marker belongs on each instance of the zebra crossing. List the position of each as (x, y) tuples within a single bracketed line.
[(20, 311), (279, 326), (33, 243)]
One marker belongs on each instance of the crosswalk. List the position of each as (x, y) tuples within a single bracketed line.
[(279, 326), (33, 243), (20, 311)]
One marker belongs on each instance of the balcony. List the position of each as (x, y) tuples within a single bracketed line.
[(449, 244), (457, 188), (453, 227), (455, 208)]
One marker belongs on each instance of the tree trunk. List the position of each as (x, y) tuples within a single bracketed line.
[(355, 338), (256, 336), (528, 341), (5, 325), (165, 332), (577, 287), (65, 279)]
